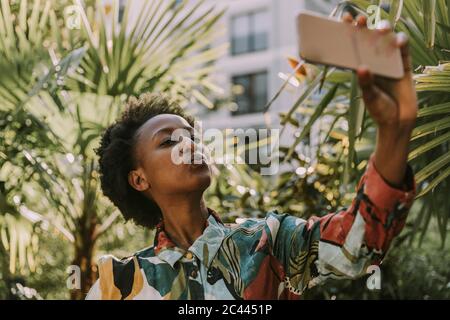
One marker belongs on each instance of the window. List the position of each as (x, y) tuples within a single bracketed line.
[(250, 92), (249, 32)]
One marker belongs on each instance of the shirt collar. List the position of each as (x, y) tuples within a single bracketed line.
[(204, 247)]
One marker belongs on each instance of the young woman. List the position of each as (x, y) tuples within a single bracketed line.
[(196, 256)]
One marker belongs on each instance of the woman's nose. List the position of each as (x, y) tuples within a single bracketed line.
[(190, 146), (188, 143)]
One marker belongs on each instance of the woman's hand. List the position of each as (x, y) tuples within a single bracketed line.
[(392, 104)]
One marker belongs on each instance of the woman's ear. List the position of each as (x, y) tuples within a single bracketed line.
[(137, 180)]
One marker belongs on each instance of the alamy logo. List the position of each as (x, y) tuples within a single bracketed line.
[(374, 280), (72, 17), (374, 16), (227, 146), (73, 281)]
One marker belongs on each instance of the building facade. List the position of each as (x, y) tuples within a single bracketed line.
[(261, 36)]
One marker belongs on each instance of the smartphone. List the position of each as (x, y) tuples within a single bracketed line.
[(331, 42)]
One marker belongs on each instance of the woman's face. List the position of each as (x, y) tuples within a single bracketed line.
[(165, 158)]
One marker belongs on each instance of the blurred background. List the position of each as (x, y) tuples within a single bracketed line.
[(67, 67)]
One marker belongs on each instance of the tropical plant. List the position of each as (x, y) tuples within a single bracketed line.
[(64, 87), (334, 138), (427, 24)]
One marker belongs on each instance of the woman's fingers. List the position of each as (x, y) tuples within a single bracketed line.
[(367, 83), (402, 43), (384, 27), (361, 21), (377, 102), (347, 17)]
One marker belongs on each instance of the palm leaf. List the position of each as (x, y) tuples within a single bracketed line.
[(165, 42), (328, 97), (429, 13)]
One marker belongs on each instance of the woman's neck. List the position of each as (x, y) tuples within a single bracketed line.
[(185, 220)]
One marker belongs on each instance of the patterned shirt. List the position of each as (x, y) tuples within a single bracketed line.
[(277, 257)]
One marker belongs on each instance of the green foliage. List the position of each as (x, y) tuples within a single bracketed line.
[(423, 275), (427, 24), (346, 137), (64, 86)]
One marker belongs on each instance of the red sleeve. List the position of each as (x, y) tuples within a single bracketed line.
[(342, 244)]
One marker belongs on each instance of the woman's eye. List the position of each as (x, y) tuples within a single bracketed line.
[(168, 142)]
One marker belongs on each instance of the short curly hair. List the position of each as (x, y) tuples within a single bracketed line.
[(117, 156)]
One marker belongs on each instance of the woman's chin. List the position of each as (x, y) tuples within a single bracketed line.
[(203, 180)]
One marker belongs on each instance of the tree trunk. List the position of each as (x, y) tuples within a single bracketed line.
[(88, 271)]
